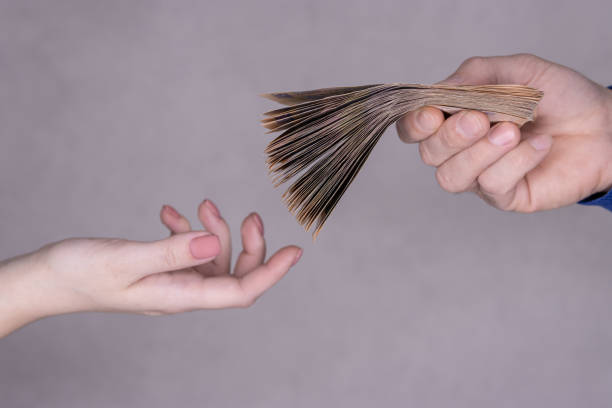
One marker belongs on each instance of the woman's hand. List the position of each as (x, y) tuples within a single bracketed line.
[(190, 270), (561, 158)]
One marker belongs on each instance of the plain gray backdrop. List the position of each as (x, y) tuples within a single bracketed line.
[(410, 297)]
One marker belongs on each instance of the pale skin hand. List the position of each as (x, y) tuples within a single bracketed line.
[(188, 271), (561, 158)]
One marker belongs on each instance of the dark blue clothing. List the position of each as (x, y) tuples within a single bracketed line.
[(601, 199)]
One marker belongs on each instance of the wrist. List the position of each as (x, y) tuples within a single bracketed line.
[(21, 302)]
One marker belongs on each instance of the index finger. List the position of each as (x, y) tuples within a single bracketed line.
[(419, 124)]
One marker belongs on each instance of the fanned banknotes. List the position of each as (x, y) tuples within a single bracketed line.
[(329, 133)]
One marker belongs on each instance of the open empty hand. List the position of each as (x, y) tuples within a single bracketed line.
[(189, 270)]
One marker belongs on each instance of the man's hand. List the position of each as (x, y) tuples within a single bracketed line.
[(562, 157)]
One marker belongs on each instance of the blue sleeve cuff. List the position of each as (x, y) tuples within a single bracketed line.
[(600, 199)]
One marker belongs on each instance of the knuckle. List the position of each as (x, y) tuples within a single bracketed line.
[(525, 56), (247, 302), (169, 257), (447, 181), (492, 200), (486, 198), (469, 157), (426, 156), (491, 185), (473, 62), (528, 209), (401, 126), (451, 139), (503, 206), (528, 206)]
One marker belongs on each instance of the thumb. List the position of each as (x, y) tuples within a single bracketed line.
[(512, 69), (173, 253), (473, 71)]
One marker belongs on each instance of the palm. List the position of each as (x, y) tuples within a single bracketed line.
[(571, 112), (214, 277)]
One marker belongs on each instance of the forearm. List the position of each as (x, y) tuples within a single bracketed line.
[(20, 297)]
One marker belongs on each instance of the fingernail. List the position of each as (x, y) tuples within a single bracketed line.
[(425, 120), (297, 257), (213, 208), (259, 223), (171, 211), (502, 136), (205, 246), (469, 125), (541, 142)]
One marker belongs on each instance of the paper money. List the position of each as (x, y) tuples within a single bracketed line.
[(329, 133)]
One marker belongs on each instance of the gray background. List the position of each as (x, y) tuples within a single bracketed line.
[(411, 296)]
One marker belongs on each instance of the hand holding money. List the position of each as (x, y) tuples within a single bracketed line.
[(560, 158), (329, 133)]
